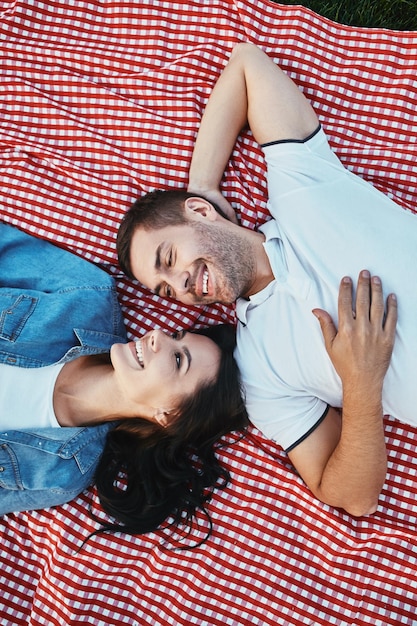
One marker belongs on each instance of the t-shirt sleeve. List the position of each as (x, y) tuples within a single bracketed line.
[(285, 419), (292, 165)]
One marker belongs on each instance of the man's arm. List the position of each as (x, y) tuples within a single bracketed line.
[(252, 89), (344, 460)]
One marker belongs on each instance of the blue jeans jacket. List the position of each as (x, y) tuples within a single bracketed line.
[(49, 466), (54, 307)]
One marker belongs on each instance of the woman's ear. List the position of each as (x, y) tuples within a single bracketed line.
[(162, 417)]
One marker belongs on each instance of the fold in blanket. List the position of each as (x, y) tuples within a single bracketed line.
[(100, 102)]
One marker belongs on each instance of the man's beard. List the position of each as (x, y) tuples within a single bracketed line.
[(232, 259)]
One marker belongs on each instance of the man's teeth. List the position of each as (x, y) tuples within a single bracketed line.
[(139, 352), (205, 282)]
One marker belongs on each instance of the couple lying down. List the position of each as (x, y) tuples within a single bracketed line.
[(323, 403)]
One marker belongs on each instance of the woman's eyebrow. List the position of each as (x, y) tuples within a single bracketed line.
[(189, 359)]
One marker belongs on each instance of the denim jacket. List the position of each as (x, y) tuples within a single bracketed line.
[(54, 307), (49, 466)]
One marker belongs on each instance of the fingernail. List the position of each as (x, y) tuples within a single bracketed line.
[(365, 273)]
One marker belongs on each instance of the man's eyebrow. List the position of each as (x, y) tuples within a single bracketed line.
[(158, 257), (188, 355), (158, 267)]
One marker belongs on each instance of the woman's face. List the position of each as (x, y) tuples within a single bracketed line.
[(158, 370)]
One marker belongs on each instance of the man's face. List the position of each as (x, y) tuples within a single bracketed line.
[(199, 262)]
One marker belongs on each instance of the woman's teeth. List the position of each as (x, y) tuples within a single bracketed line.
[(205, 282), (139, 352)]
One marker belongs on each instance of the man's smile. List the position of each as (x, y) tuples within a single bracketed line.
[(200, 285), (205, 281)]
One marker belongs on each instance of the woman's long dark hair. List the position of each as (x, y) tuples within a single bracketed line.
[(148, 473)]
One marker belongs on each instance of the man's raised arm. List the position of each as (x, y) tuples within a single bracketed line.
[(252, 90)]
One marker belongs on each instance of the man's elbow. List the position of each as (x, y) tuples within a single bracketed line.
[(357, 506), (361, 510)]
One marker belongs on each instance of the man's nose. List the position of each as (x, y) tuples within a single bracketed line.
[(180, 283)]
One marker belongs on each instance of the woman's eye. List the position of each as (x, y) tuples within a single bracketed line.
[(178, 359), (169, 259)]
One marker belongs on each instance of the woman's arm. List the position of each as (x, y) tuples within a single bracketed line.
[(252, 89)]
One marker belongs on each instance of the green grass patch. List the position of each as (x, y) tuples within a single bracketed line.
[(392, 14)]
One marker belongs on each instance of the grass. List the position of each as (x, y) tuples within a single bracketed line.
[(392, 14)]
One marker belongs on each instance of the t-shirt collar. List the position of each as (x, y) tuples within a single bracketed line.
[(273, 248)]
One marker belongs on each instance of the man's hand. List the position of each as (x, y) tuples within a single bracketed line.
[(361, 348)]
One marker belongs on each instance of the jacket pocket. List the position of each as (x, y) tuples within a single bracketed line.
[(15, 310)]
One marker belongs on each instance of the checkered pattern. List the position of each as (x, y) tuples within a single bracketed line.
[(100, 102)]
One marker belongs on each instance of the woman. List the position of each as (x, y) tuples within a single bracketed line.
[(174, 394)]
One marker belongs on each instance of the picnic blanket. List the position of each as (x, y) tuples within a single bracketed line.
[(100, 102)]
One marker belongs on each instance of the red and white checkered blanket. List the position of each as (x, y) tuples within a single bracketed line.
[(100, 102)]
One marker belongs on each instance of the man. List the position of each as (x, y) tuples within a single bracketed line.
[(327, 224), (53, 305)]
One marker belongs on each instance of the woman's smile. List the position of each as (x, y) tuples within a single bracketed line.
[(139, 352)]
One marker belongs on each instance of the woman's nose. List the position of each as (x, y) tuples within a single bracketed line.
[(155, 338), (159, 338)]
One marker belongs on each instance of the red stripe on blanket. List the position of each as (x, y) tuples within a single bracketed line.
[(100, 102)]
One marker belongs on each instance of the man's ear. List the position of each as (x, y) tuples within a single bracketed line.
[(162, 417), (197, 208)]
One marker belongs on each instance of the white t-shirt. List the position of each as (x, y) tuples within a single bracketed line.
[(328, 223), (26, 396)]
